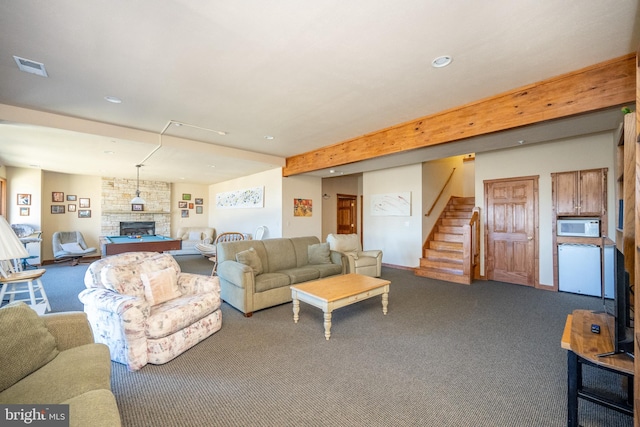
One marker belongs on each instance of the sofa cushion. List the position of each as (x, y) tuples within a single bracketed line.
[(326, 270), (319, 253), (250, 257), (71, 373), (267, 281), (303, 274), (27, 344), (160, 286)]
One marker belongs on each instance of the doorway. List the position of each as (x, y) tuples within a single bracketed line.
[(511, 231), (347, 210)]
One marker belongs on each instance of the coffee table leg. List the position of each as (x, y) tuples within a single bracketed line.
[(385, 302), (296, 310), (327, 324)]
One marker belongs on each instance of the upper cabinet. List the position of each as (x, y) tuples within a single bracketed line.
[(580, 193)]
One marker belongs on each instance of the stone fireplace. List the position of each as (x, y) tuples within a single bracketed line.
[(116, 207), (134, 228)]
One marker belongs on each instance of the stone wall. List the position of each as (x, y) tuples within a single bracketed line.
[(116, 207)]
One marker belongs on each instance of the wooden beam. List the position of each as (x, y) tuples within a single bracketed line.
[(599, 86)]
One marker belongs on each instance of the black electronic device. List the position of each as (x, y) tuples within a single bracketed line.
[(620, 307)]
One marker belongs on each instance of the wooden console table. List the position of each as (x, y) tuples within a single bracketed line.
[(584, 347)]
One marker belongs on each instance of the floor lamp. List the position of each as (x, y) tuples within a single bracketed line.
[(11, 249)]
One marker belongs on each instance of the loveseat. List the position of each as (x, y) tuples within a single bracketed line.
[(256, 274), (146, 310), (191, 236), (52, 359)]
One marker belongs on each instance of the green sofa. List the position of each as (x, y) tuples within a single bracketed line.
[(52, 359), (256, 274)]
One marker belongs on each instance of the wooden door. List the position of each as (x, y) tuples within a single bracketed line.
[(347, 214), (511, 230)]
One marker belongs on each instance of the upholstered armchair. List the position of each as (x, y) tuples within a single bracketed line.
[(192, 236), (70, 246), (368, 263), (146, 310)]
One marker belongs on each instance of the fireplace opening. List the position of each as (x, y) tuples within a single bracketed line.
[(133, 228)]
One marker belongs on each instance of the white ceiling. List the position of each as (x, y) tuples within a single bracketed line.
[(310, 74)]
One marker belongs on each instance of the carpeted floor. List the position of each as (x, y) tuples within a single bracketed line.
[(445, 355)]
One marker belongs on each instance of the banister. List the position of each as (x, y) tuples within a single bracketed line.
[(440, 194)]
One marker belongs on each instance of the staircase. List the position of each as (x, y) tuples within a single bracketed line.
[(450, 252)]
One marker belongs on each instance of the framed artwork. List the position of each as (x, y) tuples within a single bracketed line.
[(24, 199), (57, 209), (182, 205), (199, 209), (84, 203), (137, 207), (186, 196), (391, 204), (84, 213), (199, 201), (24, 211), (57, 196), (184, 213), (302, 207), (71, 198), (71, 208), (190, 205)]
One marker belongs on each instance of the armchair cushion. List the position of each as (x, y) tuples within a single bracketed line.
[(72, 247), (160, 286), (25, 349), (194, 235), (250, 258)]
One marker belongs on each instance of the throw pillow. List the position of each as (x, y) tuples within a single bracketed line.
[(250, 257), (27, 344), (72, 247), (160, 286), (319, 253), (195, 235)]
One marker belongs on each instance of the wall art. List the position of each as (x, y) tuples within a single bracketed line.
[(57, 209), (24, 199), (249, 198), (391, 204), (24, 211), (57, 196), (302, 207), (84, 213)]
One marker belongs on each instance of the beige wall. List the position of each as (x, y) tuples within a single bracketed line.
[(194, 219), (350, 185)]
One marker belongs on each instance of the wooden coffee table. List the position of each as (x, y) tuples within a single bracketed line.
[(338, 291)]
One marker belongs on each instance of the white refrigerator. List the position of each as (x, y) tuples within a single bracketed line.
[(579, 269)]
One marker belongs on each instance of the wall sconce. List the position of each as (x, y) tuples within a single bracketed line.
[(325, 196)]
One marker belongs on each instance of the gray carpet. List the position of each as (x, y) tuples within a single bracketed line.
[(445, 355)]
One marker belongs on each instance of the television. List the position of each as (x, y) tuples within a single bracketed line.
[(620, 307)]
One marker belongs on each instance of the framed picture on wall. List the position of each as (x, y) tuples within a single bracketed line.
[(186, 196), (199, 201), (24, 199), (71, 208), (57, 209), (184, 213), (24, 211), (71, 197), (57, 196), (84, 213), (199, 209), (137, 207), (84, 203), (182, 205)]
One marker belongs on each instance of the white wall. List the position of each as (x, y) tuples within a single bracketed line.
[(247, 220), (587, 152), (194, 219), (399, 237)]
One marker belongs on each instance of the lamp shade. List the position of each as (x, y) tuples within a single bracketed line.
[(10, 246), (137, 201)]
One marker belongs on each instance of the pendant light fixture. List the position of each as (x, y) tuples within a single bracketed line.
[(138, 200)]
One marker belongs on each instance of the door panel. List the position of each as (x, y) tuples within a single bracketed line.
[(510, 228), (347, 214)]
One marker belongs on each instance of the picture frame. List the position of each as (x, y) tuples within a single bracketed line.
[(182, 205), (190, 205), (24, 211), (71, 197), (184, 213), (84, 203), (199, 201), (24, 199), (57, 196), (84, 213), (71, 208), (186, 196), (138, 207), (199, 209), (57, 209)]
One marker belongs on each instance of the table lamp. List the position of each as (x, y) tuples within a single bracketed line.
[(11, 248)]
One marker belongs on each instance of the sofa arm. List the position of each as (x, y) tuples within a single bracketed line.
[(236, 273), (71, 329), (340, 259), (113, 302), (198, 283), (373, 253)]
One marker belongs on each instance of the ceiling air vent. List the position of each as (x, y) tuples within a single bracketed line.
[(30, 66)]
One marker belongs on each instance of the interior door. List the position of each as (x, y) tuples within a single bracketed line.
[(347, 214), (511, 230)]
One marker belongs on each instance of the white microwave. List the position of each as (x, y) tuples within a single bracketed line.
[(578, 227)]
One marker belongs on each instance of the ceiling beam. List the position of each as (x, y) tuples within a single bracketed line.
[(599, 86)]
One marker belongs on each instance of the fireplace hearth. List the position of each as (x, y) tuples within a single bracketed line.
[(134, 228)]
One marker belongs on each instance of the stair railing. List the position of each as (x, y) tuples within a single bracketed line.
[(441, 191), (471, 245)]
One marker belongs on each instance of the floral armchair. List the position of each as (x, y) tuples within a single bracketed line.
[(146, 310)]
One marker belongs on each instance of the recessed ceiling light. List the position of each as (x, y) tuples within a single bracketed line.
[(113, 99), (521, 142), (441, 61), (109, 152), (268, 137)]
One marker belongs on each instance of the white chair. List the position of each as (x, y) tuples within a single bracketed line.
[(368, 263), (260, 232), (25, 282)]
